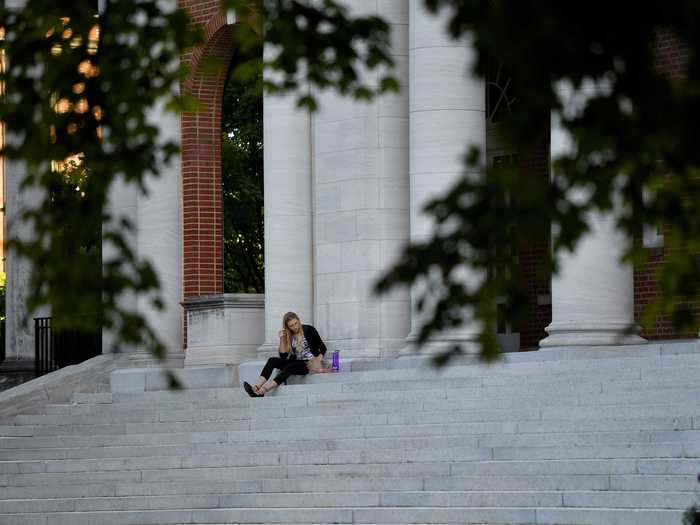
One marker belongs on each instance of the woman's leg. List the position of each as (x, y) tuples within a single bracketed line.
[(272, 363), (296, 368)]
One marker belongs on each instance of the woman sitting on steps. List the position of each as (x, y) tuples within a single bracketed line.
[(301, 351)]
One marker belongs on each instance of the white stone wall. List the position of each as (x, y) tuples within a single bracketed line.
[(360, 169), (224, 329)]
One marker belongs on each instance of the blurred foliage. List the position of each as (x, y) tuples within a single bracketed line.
[(242, 178), (80, 244), (633, 123), (692, 515), (314, 45), (635, 134), (2, 299), (77, 99), (82, 91), (2, 316)]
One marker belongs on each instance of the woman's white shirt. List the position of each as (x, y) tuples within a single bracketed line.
[(305, 353)]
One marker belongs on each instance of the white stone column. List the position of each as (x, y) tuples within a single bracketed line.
[(447, 115), (157, 237), (122, 204), (160, 239), (19, 323), (360, 161), (593, 292), (288, 214)]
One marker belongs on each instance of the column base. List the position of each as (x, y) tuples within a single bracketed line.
[(441, 343), (266, 350), (371, 348), (14, 372), (143, 359), (609, 334)]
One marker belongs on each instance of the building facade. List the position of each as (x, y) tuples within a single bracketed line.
[(344, 193)]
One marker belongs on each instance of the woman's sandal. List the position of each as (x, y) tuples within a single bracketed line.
[(250, 391)]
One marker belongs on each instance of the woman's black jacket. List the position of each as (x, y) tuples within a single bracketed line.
[(316, 344)]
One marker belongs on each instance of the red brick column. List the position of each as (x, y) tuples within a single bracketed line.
[(201, 155), (672, 59), (533, 254)]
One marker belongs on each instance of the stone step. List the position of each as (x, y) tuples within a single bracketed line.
[(675, 450), (599, 484), (501, 374), (607, 516), (584, 395), (220, 457), (330, 406), (334, 427), (444, 463), (374, 515), (428, 378), (495, 375), (529, 415), (584, 438), (465, 397), (170, 432), (596, 482), (376, 425), (596, 438), (587, 367), (661, 350), (630, 500), (128, 445), (615, 423), (220, 444), (584, 499), (92, 397), (641, 466), (15, 431), (391, 412)]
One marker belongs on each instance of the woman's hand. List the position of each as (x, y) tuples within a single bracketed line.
[(283, 346), (315, 365)]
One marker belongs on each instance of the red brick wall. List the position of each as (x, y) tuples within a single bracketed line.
[(645, 291), (671, 55), (672, 59), (533, 255), (201, 154)]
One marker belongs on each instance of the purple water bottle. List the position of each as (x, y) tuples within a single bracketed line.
[(335, 364)]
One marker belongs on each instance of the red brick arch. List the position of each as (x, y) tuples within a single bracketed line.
[(201, 155)]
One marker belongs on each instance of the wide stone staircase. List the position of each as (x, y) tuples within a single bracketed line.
[(598, 436)]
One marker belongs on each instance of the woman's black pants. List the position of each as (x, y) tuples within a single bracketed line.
[(286, 367)]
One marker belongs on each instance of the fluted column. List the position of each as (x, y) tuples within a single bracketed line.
[(447, 114), (288, 214), (593, 292)]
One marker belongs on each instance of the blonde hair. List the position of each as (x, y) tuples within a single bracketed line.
[(285, 319)]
